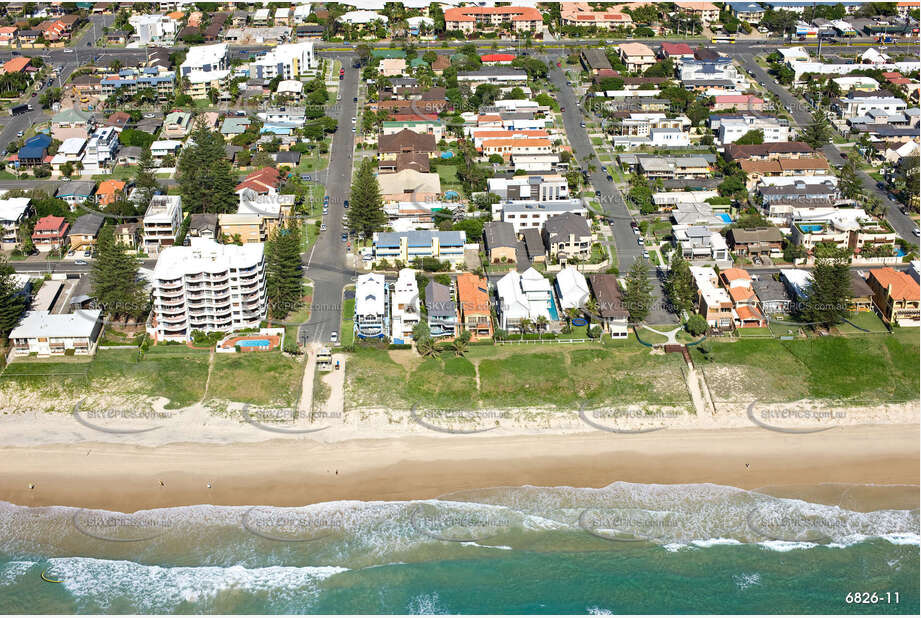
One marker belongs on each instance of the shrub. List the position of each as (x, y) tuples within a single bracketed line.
[(696, 325)]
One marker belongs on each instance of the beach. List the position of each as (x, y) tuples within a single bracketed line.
[(294, 472)]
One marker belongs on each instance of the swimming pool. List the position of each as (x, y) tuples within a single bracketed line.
[(254, 343), (812, 227), (726, 218), (551, 307), (447, 154)]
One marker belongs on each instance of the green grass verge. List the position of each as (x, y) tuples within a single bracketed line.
[(260, 378), (347, 332)]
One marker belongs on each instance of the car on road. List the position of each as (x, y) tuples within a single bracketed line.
[(80, 262), (916, 232), (353, 129), (645, 254), (345, 203), (354, 119), (609, 178), (68, 51), (880, 185), (639, 240), (582, 124), (334, 337), (597, 193), (323, 227), (305, 177), (345, 237), (562, 108)]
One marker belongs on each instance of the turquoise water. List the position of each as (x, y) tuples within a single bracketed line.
[(551, 307), (725, 217), (812, 227), (254, 343), (625, 548)]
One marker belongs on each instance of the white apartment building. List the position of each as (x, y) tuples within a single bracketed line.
[(372, 320), (154, 29), (641, 124), (205, 67), (404, 307), (669, 137), (524, 214), (289, 61), (540, 187), (691, 70), (161, 223), (46, 334), (208, 287), (733, 127), (101, 150), (851, 107)]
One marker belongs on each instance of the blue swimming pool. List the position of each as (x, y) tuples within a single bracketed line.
[(254, 343), (726, 218), (447, 154), (811, 227), (551, 307)]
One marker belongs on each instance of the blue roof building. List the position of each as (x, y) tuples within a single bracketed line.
[(34, 150), (408, 246)]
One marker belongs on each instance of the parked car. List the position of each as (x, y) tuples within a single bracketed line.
[(354, 99), (80, 262), (345, 237), (334, 337), (916, 232), (345, 204), (609, 178)]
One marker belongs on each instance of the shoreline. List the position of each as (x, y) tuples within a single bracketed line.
[(296, 472)]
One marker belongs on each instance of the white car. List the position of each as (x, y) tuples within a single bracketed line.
[(323, 227), (68, 51), (917, 232), (334, 337)]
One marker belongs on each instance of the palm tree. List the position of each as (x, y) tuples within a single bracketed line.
[(460, 343), (571, 314), (426, 347), (541, 324), (524, 326), (115, 65)]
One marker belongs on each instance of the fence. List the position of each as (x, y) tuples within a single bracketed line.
[(503, 341)]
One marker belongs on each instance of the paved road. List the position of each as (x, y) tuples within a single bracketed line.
[(802, 116), (326, 263), (612, 202), (37, 265)]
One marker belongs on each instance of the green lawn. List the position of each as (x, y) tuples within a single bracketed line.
[(754, 332), (597, 141), (121, 172), (261, 378), (864, 319), (347, 332), (871, 368), (296, 318), (560, 375), (448, 176)]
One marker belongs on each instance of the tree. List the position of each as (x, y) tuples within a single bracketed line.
[(696, 325), (755, 136), (262, 159), (638, 293), (460, 343), (849, 183), (828, 294), (541, 324), (426, 347), (366, 209), (205, 180), (12, 301), (818, 132), (679, 284), (284, 285), (117, 287), (524, 325), (144, 179)]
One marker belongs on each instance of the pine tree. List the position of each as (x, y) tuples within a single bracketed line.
[(12, 302), (284, 283), (849, 183), (205, 178), (638, 293), (679, 285), (144, 179), (366, 212), (829, 293), (116, 286), (818, 133)]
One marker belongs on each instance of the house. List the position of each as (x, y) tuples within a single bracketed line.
[(45, 334), (473, 299), (896, 296), (751, 12), (755, 242), (849, 228), (468, 19), (233, 126), (568, 236), (525, 214), (853, 106), (442, 312), (162, 221), (8, 36), (287, 158), (499, 75), (772, 296), (75, 192), (594, 60), (372, 318), (706, 11), (84, 232), (435, 128), (729, 128), (571, 288), (636, 56), (128, 235), (540, 187), (861, 297), (713, 302), (524, 296), (288, 61), (533, 245), (611, 314), (500, 242), (698, 243), (161, 148), (192, 287), (176, 124), (265, 181), (205, 67), (404, 307), (392, 67), (406, 141), (50, 233), (583, 14), (797, 283), (130, 82), (35, 149), (16, 64), (153, 29), (746, 312), (110, 191), (203, 226), (417, 244), (408, 185), (13, 212), (767, 151)]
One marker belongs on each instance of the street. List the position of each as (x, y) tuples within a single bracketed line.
[(325, 264)]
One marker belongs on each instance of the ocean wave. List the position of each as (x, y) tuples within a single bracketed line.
[(357, 534), (107, 584), (12, 571)]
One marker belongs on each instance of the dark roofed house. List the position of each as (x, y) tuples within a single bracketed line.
[(772, 295), (705, 53), (413, 161), (610, 300), (861, 298), (441, 309), (149, 125), (534, 244), (308, 31), (34, 150), (129, 155), (203, 225), (759, 241), (770, 150), (85, 231), (594, 60), (407, 141), (500, 241), (568, 235), (287, 157), (119, 120)]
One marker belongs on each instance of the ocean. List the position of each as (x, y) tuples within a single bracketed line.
[(625, 548)]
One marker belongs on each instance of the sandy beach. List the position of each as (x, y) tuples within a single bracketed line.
[(290, 472)]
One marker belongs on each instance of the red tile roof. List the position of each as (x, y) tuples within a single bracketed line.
[(49, 224), (903, 286), (261, 181), (497, 57)]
